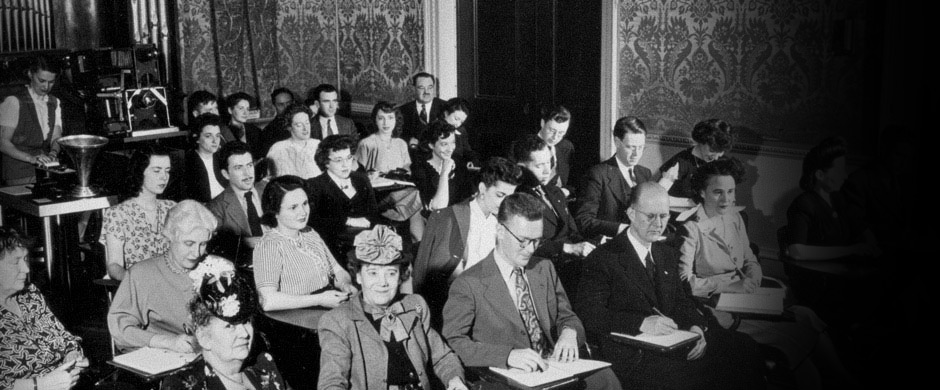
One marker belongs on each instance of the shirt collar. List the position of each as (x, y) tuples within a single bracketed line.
[(476, 210), (641, 248), (36, 96), (502, 263), (339, 182)]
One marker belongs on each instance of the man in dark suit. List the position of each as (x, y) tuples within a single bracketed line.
[(510, 308), (631, 285), (418, 113), (276, 130), (460, 236), (562, 242), (602, 202), (238, 207), (555, 123), (327, 122)]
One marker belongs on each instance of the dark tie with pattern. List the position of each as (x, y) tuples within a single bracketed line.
[(632, 176), (254, 222), (541, 194), (424, 114), (329, 127), (527, 310), (650, 266)]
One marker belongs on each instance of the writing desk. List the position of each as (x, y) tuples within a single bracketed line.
[(292, 335), (304, 318), (22, 199)]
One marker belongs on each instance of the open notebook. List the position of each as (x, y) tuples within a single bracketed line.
[(557, 373), (662, 343), (149, 361)]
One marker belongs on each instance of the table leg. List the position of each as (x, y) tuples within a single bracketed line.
[(48, 244)]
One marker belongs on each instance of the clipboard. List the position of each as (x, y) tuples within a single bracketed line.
[(663, 344)]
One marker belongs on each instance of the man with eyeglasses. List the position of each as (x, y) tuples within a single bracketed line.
[(631, 285), (510, 309), (555, 123), (602, 202), (342, 201)]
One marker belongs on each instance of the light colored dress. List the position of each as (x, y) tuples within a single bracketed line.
[(128, 222), (295, 158), (375, 154)]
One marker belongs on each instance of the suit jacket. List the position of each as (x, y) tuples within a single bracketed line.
[(228, 210), (482, 324), (196, 178), (563, 151), (615, 293), (603, 202), (709, 262), (354, 356), (558, 227), (344, 125), (412, 126), (442, 248), (255, 140)]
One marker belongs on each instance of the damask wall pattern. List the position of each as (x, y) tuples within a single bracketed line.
[(367, 48), (766, 66)]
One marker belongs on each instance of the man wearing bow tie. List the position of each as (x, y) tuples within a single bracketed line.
[(418, 113)]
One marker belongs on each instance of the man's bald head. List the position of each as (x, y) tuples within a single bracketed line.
[(649, 211)]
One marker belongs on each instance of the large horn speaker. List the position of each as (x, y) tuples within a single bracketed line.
[(83, 149)]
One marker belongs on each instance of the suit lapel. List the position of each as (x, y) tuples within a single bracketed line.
[(497, 293), (462, 214), (539, 291), (633, 267), (618, 185), (234, 208)]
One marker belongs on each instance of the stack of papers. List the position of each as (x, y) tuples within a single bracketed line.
[(149, 361), (771, 303), (380, 182), (662, 343), (557, 371)]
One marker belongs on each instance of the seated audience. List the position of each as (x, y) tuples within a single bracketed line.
[(460, 236), (631, 285), (293, 267), (237, 105), (561, 241), (455, 112), (716, 258), (238, 207), (203, 178), (341, 198), (381, 338), (821, 227), (327, 122), (555, 123), (205, 102), (510, 310), (132, 231), (711, 139), (149, 308), (603, 202), (383, 154), (418, 113), (439, 182), (276, 130), (296, 155), (223, 326), (36, 352)]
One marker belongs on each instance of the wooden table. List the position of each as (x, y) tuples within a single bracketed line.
[(20, 198)]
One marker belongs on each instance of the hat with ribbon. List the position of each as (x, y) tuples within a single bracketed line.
[(378, 246), (226, 295)]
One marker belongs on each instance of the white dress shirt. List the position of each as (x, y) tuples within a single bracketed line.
[(481, 238), (625, 171)]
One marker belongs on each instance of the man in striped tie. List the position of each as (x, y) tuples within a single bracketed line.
[(510, 310)]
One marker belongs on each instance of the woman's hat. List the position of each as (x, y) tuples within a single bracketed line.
[(226, 295), (378, 246)]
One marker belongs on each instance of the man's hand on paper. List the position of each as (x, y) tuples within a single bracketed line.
[(526, 360), (658, 325), (566, 349)]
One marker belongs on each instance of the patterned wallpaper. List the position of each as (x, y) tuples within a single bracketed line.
[(367, 48), (766, 66)]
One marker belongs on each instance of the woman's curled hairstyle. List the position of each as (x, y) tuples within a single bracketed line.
[(140, 160), (274, 194), (720, 167)]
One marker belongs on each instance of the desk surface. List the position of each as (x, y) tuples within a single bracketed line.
[(304, 318), (23, 200)]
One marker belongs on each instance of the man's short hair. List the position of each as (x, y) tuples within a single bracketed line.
[(500, 169), (236, 97), (280, 90), (522, 148), (315, 94), (333, 143), (414, 79), (199, 98), (232, 148), (522, 205), (557, 113), (628, 124), (186, 216)]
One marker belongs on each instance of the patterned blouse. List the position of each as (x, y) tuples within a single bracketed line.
[(34, 344), (293, 158), (293, 266), (263, 375), (128, 222)]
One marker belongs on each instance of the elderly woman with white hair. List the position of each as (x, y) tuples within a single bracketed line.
[(149, 308)]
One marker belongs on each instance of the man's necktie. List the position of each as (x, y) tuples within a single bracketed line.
[(650, 267), (424, 114), (254, 222), (541, 194), (632, 176), (552, 149), (527, 310), (329, 127)]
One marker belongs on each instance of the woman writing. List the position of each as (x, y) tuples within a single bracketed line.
[(711, 139), (132, 231), (379, 338)]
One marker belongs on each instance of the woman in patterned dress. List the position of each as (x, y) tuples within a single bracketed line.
[(36, 352), (132, 231)]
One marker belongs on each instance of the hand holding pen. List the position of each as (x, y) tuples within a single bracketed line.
[(658, 324)]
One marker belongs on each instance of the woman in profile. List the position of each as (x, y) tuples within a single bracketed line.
[(711, 139)]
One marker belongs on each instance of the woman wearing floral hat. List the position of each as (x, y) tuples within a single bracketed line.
[(380, 339)]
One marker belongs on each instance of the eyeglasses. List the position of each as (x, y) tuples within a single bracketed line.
[(650, 217), (340, 160), (523, 243)]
